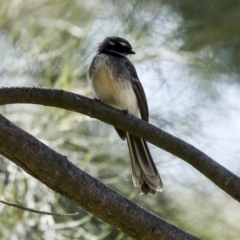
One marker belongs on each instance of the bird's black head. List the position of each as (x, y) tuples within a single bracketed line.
[(115, 44)]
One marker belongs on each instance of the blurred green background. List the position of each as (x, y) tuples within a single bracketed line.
[(188, 55)]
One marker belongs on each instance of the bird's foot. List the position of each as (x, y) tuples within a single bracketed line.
[(125, 111), (96, 99)]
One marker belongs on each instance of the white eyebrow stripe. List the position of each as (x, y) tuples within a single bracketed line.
[(124, 44), (112, 43)]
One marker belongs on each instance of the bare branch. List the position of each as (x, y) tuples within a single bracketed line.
[(223, 178), (62, 176)]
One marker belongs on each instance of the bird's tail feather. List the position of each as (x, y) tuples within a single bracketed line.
[(144, 172)]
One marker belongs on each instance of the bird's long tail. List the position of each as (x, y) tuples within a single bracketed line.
[(144, 172)]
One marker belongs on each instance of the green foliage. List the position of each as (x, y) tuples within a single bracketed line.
[(211, 27)]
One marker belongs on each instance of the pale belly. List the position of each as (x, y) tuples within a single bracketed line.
[(112, 91)]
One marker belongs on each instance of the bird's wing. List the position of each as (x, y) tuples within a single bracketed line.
[(139, 91)]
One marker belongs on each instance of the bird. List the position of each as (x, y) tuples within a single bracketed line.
[(115, 82)]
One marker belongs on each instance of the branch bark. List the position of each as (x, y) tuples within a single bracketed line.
[(62, 176), (223, 178)]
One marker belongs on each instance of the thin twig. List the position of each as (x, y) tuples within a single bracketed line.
[(39, 212)]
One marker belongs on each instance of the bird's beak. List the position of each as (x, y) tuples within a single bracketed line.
[(131, 52)]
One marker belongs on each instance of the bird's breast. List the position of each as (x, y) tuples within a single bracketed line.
[(113, 88)]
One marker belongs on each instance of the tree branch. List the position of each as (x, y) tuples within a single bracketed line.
[(65, 178), (223, 178)]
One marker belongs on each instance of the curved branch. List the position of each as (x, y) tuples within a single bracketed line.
[(65, 178), (223, 178)]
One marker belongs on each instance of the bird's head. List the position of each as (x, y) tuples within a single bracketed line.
[(115, 44)]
